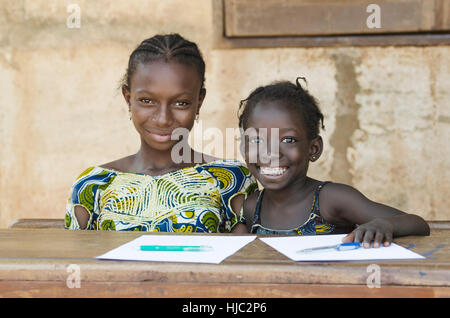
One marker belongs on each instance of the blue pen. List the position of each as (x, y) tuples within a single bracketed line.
[(176, 248), (338, 247)]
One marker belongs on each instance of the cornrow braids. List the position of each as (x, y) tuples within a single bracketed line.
[(293, 95), (168, 47)]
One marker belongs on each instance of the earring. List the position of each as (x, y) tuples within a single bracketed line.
[(196, 118)]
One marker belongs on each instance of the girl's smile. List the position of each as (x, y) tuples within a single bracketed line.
[(271, 175), (270, 172), (159, 136)]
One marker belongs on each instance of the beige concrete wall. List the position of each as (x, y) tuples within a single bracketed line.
[(387, 109)]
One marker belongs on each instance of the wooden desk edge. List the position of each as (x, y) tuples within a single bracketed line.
[(212, 290)]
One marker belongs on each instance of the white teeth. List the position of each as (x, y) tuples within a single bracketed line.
[(278, 171)]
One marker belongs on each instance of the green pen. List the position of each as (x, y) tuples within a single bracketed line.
[(176, 248)]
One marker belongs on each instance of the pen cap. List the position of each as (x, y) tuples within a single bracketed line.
[(348, 246)]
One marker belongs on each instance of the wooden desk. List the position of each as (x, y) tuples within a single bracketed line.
[(35, 263)]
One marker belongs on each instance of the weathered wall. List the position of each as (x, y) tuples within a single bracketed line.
[(387, 109)]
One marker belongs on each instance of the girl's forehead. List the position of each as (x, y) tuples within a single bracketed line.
[(160, 71), (276, 111)]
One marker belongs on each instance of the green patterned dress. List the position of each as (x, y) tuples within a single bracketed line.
[(193, 199)]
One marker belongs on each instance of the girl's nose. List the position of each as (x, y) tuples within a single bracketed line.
[(269, 154), (162, 117)]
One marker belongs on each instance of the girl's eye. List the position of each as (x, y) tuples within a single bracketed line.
[(254, 140), (288, 140), (181, 104), (146, 101)]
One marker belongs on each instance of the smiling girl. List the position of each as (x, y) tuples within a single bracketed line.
[(149, 190), (292, 203)]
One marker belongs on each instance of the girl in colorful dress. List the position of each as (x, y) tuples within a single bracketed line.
[(152, 190), (285, 115)]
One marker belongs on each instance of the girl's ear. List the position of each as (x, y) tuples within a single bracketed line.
[(126, 94), (201, 97), (315, 148)]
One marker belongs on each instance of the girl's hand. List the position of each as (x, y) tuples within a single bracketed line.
[(379, 231)]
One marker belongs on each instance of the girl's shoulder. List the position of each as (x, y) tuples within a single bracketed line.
[(95, 174), (96, 171), (338, 197), (332, 191), (88, 183)]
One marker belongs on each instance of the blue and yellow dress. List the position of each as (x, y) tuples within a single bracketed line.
[(192, 199)]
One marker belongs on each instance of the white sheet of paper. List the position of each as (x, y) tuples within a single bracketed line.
[(290, 245), (222, 247)]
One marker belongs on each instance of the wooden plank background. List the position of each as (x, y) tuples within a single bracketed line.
[(257, 18), (285, 23)]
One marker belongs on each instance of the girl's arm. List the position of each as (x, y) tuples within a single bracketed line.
[(248, 209), (239, 229), (82, 216), (236, 204), (378, 223)]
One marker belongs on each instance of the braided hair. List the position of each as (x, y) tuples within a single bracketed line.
[(168, 47), (294, 95)]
